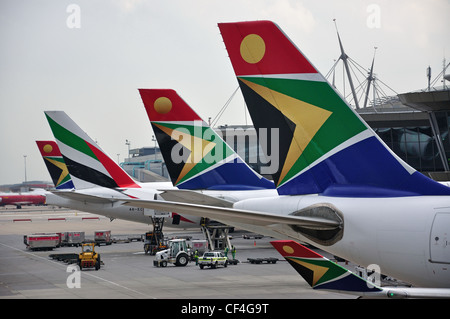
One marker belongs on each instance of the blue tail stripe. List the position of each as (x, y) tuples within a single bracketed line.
[(350, 282), (365, 169), (66, 185), (234, 175)]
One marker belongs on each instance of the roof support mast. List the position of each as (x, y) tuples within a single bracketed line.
[(344, 58), (370, 78)]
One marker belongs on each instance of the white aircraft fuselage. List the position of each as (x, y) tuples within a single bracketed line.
[(115, 209)]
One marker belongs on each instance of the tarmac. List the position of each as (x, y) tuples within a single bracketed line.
[(128, 273)]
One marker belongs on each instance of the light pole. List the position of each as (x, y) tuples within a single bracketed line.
[(154, 140), (25, 163)]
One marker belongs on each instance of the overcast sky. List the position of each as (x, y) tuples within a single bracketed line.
[(91, 67)]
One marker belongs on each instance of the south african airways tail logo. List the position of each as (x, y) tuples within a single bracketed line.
[(55, 164), (319, 272), (195, 155), (325, 147)]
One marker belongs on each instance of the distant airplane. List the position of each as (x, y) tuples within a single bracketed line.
[(341, 188), (21, 199), (323, 274)]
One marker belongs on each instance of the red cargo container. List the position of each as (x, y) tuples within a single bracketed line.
[(42, 241)]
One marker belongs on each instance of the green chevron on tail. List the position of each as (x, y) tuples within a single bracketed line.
[(195, 155), (55, 164), (324, 146)]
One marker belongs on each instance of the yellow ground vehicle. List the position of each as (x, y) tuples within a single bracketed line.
[(89, 258)]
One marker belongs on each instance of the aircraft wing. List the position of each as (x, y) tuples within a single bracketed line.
[(187, 196), (321, 273), (228, 214), (175, 195), (85, 197), (222, 214)]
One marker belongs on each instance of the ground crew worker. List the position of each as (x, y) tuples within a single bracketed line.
[(233, 251), (196, 257), (226, 251)]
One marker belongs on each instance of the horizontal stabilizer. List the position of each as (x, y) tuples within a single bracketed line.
[(87, 198), (186, 196)]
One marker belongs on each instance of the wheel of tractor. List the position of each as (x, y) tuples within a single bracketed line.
[(182, 260), (97, 263)]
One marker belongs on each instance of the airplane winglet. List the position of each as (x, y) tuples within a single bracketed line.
[(321, 273)]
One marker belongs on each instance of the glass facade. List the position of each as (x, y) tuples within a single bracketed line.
[(417, 146), (443, 121)]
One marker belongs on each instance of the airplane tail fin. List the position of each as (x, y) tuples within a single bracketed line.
[(195, 155), (324, 146), (55, 164), (87, 163), (320, 272)]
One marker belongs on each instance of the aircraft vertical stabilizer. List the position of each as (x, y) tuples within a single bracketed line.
[(320, 272), (195, 155), (88, 164), (324, 147), (323, 274), (55, 164)]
